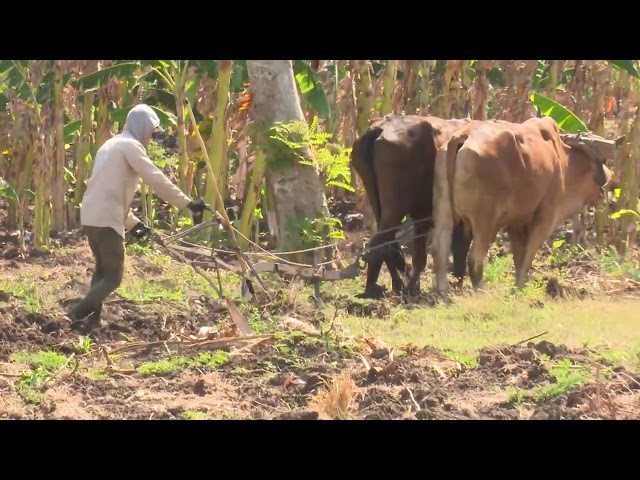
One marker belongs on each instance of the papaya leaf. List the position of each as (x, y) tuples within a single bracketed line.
[(191, 89), (240, 76), (156, 63), (162, 99), (166, 118), (5, 65), (566, 119), (210, 67), (71, 129), (627, 66), (311, 87), (8, 192), (97, 79)]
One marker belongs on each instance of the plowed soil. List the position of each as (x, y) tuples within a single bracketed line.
[(147, 363)]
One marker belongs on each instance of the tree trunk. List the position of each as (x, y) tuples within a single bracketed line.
[(296, 188)]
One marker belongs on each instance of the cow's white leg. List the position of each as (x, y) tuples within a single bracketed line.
[(441, 247), (443, 223)]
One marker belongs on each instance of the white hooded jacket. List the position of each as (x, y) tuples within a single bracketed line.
[(118, 167)]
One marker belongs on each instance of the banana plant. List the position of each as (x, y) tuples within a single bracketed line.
[(566, 119)]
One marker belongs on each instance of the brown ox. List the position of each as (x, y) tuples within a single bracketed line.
[(526, 178), (394, 158)]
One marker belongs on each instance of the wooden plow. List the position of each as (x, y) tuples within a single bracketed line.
[(209, 258)]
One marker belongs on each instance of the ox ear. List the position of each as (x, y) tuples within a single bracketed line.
[(602, 173)]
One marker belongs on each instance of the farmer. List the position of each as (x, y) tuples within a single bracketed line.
[(105, 212)]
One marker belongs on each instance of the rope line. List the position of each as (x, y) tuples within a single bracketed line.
[(266, 253)]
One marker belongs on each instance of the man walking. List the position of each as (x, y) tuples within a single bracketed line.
[(105, 212)]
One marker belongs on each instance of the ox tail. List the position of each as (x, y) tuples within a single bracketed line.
[(362, 161), (459, 242), (453, 147)]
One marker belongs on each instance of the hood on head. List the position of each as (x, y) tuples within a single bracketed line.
[(141, 122)]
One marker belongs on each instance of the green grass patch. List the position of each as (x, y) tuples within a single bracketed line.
[(27, 289), (501, 316), (163, 367), (192, 415), (43, 365), (567, 377), (98, 375), (469, 361)]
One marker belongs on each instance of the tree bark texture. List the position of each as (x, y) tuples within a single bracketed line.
[(297, 191)]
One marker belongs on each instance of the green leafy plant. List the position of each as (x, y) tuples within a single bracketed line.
[(566, 119), (331, 159)]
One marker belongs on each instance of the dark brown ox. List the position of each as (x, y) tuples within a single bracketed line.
[(526, 178), (394, 158)]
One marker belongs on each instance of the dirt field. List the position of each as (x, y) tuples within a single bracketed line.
[(168, 350)]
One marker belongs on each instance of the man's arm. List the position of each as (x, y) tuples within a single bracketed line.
[(155, 178), (131, 221)]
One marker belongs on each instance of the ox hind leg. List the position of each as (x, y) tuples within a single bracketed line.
[(396, 263), (518, 237), (538, 233), (484, 233), (419, 258), (380, 253)]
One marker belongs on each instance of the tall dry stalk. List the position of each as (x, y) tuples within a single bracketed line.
[(425, 85), (389, 83), (629, 174), (364, 94), (600, 76), (83, 148), (103, 122), (555, 73), (21, 151), (58, 167), (252, 197), (511, 102), (218, 141), (479, 92), (364, 104), (411, 99)]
